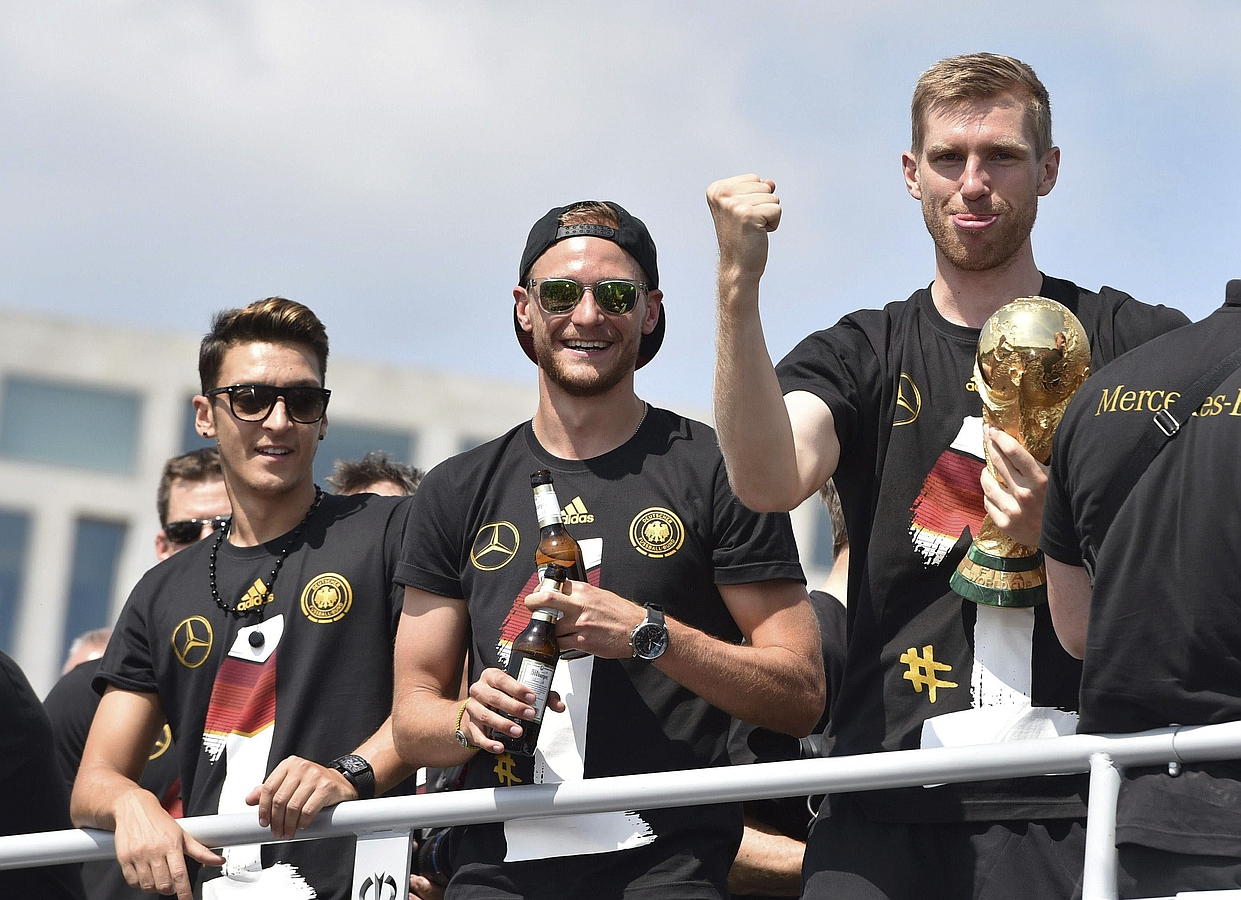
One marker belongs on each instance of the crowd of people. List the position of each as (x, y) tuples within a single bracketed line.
[(295, 648)]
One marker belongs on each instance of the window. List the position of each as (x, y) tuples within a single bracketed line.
[(97, 546), (345, 441), (70, 425), (14, 542)]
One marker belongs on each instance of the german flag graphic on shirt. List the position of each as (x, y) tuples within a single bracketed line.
[(950, 500)]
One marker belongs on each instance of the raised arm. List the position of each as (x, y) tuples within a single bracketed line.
[(779, 449), (150, 845)]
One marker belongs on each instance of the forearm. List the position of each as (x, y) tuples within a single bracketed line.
[(750, 416), (424, 722), (389, 766), (767, 864), (777, 687), (98, 792)]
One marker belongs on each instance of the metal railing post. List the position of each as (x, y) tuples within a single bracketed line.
[(1099, 871)]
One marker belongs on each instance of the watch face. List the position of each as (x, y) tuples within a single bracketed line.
[(650, 640), (353, 763)]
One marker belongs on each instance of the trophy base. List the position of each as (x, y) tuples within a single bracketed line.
[(1007, 581)]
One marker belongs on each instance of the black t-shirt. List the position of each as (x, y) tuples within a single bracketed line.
[(926, 667), (657, 522), (71, 706), (1164, 638), (32, 793), (318, 684)]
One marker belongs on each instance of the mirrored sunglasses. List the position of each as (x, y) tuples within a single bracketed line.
[(560, 295), (254, 402), (187, 531)]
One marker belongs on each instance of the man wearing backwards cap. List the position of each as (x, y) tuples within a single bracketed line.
[(665, 545)]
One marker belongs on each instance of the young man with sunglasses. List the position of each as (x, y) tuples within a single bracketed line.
[(677, 574), (884, 403), (264, 647)]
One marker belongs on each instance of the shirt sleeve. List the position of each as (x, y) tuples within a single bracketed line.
[(129, 663), (431, 549), (837, 365), (750, 546), (1059, 538)]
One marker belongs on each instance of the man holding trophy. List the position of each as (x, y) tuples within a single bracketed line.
[(887, 403)]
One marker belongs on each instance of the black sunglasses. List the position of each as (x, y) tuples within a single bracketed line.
[(187, 531), (559, 295), (254, 402)]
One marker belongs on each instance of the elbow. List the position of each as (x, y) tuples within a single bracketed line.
[(765, 498), (804, 709)]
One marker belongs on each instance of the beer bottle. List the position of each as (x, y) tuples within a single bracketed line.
[(555, 545), (532, 661)]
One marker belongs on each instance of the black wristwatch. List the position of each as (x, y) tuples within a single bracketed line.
[(650, 639), (358, 772)]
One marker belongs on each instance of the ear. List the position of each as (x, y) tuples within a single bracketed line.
[(522, 300), (204, 416), (163, 546), (909, 163), (1049, 171), (654, 299)]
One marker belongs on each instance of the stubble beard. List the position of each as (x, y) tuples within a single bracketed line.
[(1010, 233), (577, 384)]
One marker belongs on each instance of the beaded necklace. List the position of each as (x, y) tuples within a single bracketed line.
[(270, 582)]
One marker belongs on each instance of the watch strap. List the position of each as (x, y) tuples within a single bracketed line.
[(357, 772)]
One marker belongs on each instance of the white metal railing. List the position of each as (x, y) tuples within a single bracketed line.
[(384, 826)]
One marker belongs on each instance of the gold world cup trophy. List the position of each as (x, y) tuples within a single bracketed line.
[(1032, 357)]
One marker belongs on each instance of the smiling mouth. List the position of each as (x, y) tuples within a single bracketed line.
[(274, 452), (587, 346)]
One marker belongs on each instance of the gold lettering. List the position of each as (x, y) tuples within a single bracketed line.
[(1107, 402), (1127, 400), (1157, 405), (1236, 404)]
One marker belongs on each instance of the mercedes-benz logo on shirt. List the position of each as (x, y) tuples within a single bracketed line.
[(191, 641), (495, 545)]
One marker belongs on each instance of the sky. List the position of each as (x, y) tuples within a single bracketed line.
[(382, 161)]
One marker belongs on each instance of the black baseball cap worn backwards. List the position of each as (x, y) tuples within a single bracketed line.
[(632, 237)]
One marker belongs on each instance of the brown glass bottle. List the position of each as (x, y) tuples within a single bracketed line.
[(532, 661), (555, 545)]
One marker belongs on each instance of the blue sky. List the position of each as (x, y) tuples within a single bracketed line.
[(382, 161)]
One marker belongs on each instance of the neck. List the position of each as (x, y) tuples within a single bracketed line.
[(259, 518), (969, 298), (585, 427), (837, 581)]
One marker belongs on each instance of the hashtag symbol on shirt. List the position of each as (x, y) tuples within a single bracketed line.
[(922, 671), (504, 770)]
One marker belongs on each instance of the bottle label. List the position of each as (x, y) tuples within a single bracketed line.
[(538, 677), (546, 506)]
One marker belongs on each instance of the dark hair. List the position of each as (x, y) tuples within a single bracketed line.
[(977, 76), (274, 320), (349, 476), (197, 465), (840, 534)]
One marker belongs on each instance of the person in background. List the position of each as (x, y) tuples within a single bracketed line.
[(375, 473), (884, 404)]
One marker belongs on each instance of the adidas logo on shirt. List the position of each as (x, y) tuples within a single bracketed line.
[(575, 513)]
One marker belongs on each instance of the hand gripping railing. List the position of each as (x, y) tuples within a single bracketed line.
[(384, 826)]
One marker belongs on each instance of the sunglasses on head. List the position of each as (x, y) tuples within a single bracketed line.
[(187, 531), (254, 402), (560, 295)]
